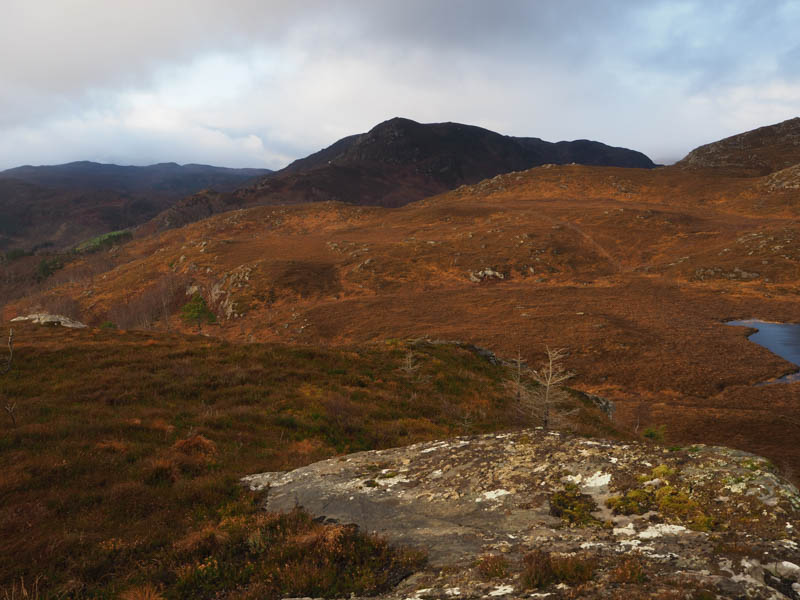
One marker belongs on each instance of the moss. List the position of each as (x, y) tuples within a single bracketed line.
[(674, 504), (677, 505), (634, 502), (663, 472), (574, 508)]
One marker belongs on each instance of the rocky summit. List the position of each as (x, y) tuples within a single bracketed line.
[(551, 515)]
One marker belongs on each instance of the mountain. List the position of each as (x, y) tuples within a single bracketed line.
[(168, 178), (61, 205), (400, 161), (454, 153), (753, 153)]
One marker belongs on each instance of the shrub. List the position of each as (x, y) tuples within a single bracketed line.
[(106, 240), (48, 266), (630, 569), (542, 569), (196, 445), (279, 555), (196, 311), (655, 433), (16, 253), (492, 566), (143, 592)]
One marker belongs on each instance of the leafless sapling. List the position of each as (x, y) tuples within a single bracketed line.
[(410, 365), (10, 407), (537, 402)]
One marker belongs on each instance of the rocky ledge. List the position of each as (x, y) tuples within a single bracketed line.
[(550, 515), (50, 319)]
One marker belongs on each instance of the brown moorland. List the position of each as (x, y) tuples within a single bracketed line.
[(635, 271), (121, 472)]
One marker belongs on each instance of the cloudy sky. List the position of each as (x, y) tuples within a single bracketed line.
[(260, 82)]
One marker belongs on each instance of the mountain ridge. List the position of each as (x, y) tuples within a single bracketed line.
[(401, 161)]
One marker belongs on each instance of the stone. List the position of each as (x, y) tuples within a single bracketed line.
[(50, 319), (463, 498)]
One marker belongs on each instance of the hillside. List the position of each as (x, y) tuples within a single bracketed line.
[(342, 328), (754, 153), (622, 266), (121, 466), (169, 178), (61, 205), (397, 162)]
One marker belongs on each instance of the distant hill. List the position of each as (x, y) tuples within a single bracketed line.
[(751, 154), (63, 204), (401, 161), (168, 178), (453, 152)]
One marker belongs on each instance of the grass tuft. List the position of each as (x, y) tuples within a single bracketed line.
[(543, 569), (492, 566)]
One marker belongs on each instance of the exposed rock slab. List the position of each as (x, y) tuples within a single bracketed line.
[(50, 319), (493, 494)]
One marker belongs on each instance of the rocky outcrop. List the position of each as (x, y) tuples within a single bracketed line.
[(758, 152), (699, 519), (486, 274), (737, 273), (785, 179), (49, 319)]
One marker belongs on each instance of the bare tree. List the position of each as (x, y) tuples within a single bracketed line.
[(9, 407), (410, 365), (517, 381), (537, 402)]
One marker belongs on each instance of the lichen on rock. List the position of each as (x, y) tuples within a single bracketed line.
[(701, 518)]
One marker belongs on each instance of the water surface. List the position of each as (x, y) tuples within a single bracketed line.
[(781, 338)]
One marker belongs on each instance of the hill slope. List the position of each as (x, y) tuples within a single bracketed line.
[(400, 161), (623, 266), (63, 204), (168, 178), (753, 153)]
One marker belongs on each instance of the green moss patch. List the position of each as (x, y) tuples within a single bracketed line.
[(574, 508)]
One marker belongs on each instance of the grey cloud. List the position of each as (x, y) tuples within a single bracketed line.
[(653, 75)]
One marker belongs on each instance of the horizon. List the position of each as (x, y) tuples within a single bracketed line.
[(187, 164), (259, 84), (172, 162)]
